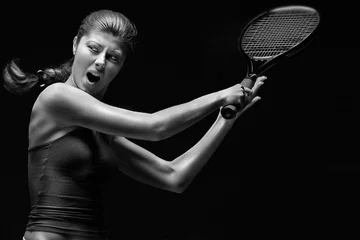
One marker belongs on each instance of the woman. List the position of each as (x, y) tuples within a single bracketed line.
[(75, 138)]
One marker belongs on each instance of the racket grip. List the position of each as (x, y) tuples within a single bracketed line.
[(229, 111)]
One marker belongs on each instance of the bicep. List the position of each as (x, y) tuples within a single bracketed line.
[(143, 165), (72, 106)]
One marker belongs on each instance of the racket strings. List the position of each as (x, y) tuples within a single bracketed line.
[(276, 33)]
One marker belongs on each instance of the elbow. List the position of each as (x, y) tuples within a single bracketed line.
[(158, 129), (181, 188), (176, 184), (176, 189)]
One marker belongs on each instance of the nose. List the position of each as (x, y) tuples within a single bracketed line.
[(100, 63)]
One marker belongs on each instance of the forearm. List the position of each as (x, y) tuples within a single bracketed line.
[(177, 118), (189, 164)]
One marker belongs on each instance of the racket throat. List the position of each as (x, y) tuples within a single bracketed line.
[(258, 66), (252, 76)]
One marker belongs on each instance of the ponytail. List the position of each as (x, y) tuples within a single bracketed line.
[(16, 81), (19, 82)]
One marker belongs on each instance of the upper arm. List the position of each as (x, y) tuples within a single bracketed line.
[(70, 106), (143, 165)]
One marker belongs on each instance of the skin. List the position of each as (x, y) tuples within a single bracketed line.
[(61, 108), (100, 53)]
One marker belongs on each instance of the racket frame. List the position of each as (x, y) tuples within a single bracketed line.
[(256, 67)]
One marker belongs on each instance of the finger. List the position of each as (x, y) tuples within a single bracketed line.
[(256, 99), (251, 93), (261, 79), (251, 103), (257, 85), (247, 90)]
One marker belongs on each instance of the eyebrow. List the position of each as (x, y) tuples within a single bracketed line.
[(117, 51)]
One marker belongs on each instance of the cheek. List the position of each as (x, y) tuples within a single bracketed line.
[(81, 62), (112, 72)]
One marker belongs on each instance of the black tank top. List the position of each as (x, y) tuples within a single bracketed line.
[(66, 179)]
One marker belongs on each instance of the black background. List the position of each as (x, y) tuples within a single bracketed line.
[(266, 177)]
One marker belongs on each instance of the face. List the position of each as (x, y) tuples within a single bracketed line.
[(98, 59)]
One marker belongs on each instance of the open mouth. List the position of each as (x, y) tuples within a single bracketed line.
[(92, 78)]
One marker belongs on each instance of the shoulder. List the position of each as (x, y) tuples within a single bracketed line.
[(69, 105), (56, 91), (62, 95), (62, 101)]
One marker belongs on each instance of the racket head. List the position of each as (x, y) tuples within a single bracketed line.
[(276, 34)]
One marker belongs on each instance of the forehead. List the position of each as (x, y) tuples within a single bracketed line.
[(104, 39)]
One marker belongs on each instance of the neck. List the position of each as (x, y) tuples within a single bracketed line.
[(99, 95)]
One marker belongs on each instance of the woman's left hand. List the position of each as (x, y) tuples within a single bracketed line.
[(250, 96)]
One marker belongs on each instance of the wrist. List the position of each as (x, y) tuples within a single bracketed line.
[(225, 123), (221, 97)]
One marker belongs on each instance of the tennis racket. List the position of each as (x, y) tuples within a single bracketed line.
[(270, 37)]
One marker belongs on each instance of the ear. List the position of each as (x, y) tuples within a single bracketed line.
[(74, 45)]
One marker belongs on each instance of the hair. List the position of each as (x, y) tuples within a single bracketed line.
[(19, 82)]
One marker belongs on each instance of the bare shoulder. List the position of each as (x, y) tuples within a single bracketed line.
[(62, 101), (58, 91), (60, 97), (47, 122), (71, 106)]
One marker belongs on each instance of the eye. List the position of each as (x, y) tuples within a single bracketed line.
[(114, 58), (93, 49)]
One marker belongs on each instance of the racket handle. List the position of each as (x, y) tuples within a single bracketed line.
[(229, 111)]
